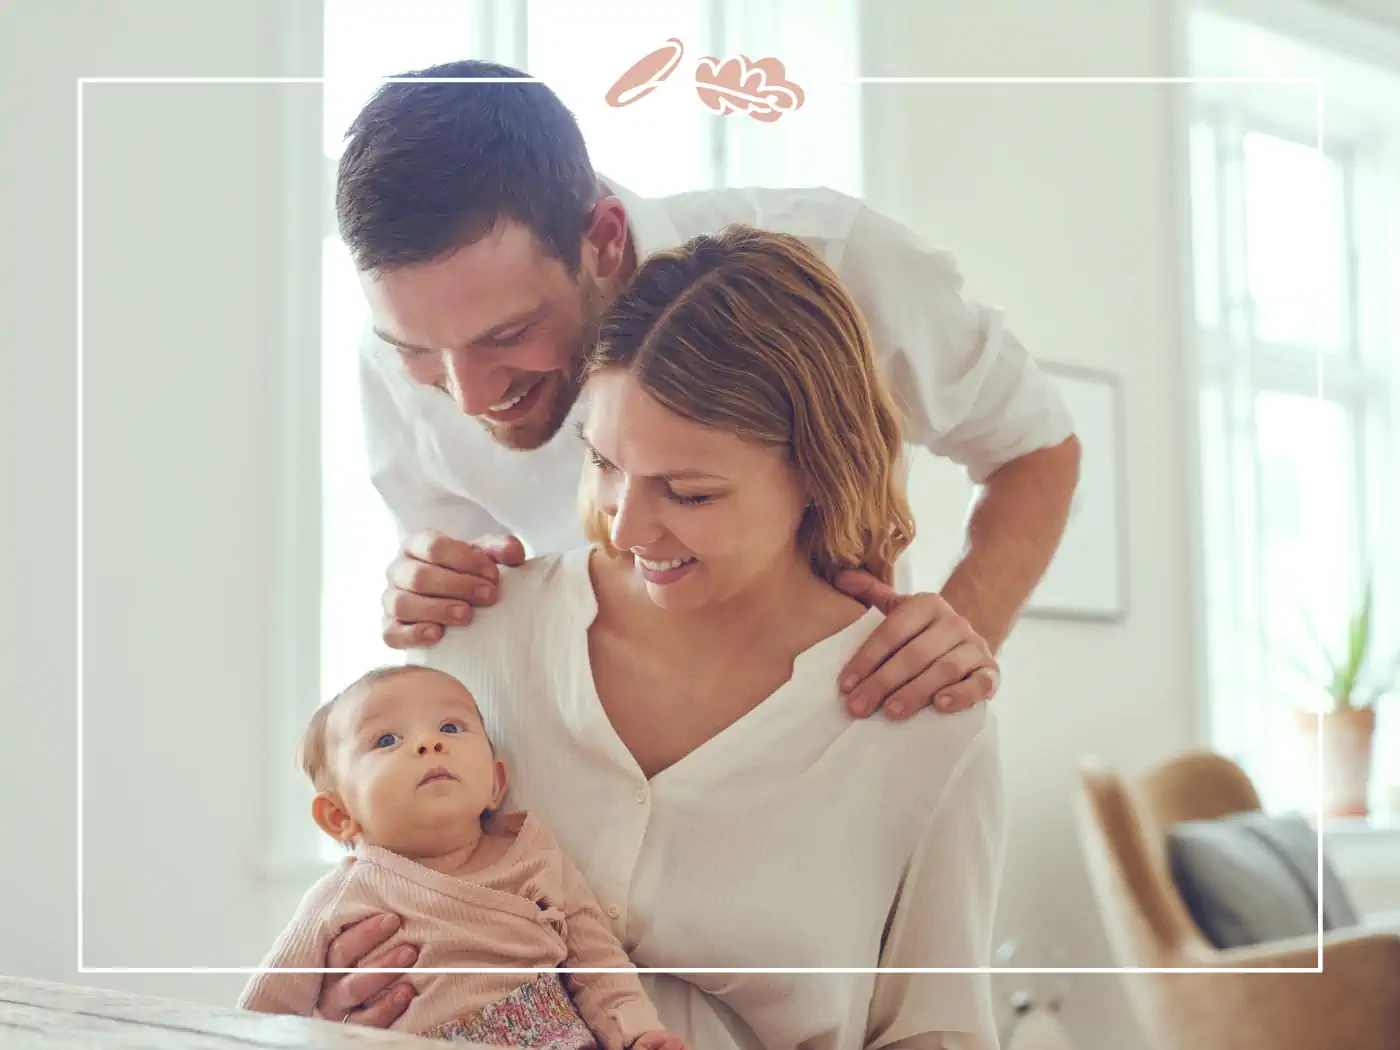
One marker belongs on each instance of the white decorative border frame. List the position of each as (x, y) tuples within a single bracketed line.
[(82, 84)]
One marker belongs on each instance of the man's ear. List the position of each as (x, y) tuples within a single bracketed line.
[(607, 238), (332, 817), (499, 784)]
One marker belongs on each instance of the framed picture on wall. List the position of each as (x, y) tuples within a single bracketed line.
[(1088, 578)]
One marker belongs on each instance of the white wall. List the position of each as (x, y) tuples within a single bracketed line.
[(183, 341), (1385, 12), (1058, 202)]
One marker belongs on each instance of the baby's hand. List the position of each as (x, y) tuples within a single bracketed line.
[(660, 1040)]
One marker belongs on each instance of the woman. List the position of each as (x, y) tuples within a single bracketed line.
[(665, 698)]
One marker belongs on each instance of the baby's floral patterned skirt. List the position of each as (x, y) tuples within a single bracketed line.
[(538, 1016)]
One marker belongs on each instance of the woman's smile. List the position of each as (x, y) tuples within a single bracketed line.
[(664, 572)]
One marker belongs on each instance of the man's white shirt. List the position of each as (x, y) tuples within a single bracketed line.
[(968, 390)]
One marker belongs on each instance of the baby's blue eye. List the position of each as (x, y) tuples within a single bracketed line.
[(450, 727), (385, 740)]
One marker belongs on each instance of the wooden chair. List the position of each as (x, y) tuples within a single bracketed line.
[(1354, 1003)]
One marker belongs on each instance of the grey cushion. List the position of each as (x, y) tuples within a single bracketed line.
[(1250, 878)]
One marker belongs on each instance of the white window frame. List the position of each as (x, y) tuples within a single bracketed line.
[(1365, 380), (296, 648)]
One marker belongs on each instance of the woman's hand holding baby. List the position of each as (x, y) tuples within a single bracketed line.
[(661, 1040), (372, 999)]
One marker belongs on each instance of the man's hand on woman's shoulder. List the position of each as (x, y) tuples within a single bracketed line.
[(436, 581), (659, 1040), (923, 653)]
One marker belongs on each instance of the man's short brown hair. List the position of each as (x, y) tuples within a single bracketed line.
[(429, 168)]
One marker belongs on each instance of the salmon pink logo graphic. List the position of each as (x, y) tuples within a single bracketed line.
[(738, 85), (759, 88), (646, 74)]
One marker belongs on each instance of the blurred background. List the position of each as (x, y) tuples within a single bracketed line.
[(1217, 296)]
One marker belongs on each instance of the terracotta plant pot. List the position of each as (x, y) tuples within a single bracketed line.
[(1347, 738)]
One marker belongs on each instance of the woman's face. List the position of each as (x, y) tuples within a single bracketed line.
[(707, 515)]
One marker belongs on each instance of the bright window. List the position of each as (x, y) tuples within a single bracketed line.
[(364, 41), (1298, 376)]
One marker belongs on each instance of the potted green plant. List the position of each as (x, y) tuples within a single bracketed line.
[(1351, 688)]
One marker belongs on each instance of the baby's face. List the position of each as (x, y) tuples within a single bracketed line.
[(411, 762)]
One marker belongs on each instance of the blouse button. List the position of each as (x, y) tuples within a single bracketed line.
[(614, 911), (642, 796)]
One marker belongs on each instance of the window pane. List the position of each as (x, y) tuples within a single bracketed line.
[(819, 144), (655, 146), (1309, 538), (1296, 243), (1309, 519), (358, 536), (369, 39)]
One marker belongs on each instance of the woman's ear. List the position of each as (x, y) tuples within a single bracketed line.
[(332, 817)]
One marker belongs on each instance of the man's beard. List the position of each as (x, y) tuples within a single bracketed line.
[(528, 435)]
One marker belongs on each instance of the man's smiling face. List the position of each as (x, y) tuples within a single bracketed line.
[(501, 325)]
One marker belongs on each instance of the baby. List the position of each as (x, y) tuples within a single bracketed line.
[(407, 780)]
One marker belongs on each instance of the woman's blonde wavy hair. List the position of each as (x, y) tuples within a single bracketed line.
[(751, 333)]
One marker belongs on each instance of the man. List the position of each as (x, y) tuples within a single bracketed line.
[(489, 250)]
